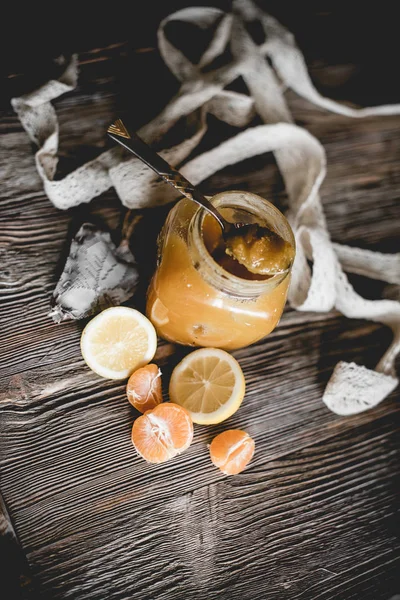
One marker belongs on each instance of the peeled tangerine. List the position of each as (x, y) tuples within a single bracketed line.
[(144, 388), (231, 451), (162, 433)]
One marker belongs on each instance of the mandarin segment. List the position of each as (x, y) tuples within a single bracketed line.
[(162, 433), (231, 451), (144, 388)]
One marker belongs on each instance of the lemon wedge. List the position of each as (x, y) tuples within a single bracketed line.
[(209, 383), (117, 342)]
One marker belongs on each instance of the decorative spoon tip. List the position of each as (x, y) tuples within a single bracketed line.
[(118, 128)]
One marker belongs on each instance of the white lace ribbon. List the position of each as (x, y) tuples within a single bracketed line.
[(300, 157)]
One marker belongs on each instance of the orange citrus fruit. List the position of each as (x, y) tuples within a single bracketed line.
[(144, 388), (231, 451), (162, 433)]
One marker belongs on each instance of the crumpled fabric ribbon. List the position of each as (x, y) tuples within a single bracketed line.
[(300, 157), (96, 275)]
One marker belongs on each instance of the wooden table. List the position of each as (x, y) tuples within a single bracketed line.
[(313, 517)]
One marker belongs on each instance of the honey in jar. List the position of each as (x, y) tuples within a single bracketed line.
[(202, 296)]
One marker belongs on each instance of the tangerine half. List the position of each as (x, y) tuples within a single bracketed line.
[(231, 451), (144, 388), (162, 433)]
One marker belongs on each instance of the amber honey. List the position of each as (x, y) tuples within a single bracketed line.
[(200, 296)]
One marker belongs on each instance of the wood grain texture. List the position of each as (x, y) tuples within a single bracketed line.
[(314, 515)]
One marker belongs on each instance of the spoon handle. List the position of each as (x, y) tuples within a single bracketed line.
[(132, 142)]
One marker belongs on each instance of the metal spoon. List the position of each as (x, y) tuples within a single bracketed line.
[(132, 142)]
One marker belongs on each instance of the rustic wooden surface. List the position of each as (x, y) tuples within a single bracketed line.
[(313, 517)]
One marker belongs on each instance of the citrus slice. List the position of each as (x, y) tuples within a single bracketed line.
[(231, 451), (162, 433), (159, 313), (117, 342), (209, 383)]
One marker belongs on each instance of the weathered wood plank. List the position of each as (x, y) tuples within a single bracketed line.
[(316, 524), (67, 451)]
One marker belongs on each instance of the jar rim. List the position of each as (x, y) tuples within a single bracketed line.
[(214, 273)]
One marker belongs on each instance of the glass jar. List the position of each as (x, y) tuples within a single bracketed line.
[(192, 299)]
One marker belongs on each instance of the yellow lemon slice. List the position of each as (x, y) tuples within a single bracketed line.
[(117, 342), (209, 383), (159, 313)]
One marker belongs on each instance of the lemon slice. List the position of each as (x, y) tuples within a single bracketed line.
[(209, 383), (117, 342), (159, 313)]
